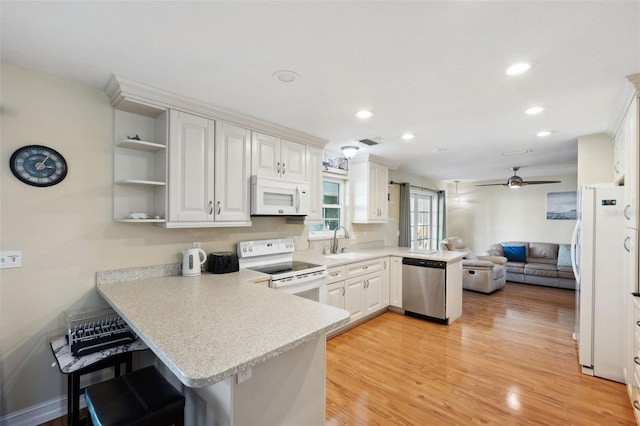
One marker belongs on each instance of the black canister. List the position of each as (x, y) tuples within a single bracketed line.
[(222, 262)]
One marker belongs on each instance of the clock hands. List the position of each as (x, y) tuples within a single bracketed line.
[(40, 165)]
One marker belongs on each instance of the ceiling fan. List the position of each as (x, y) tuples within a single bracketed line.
[(515, 181)]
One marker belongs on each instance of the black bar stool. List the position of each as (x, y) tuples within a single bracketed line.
[(142, 397)]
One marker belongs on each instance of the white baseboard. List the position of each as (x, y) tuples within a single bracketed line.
[(37, 414)]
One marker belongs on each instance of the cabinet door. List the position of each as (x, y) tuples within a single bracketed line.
[(354, 297), (336, 294), (385, 281), (630, 142), (191, 148), (374, 210), (382, 189), (265, 155), (395, 282), (373, 292), (314, 177), (293, 159), (232, 173)]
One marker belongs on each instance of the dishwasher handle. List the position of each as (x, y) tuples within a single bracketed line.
[(425, 263)]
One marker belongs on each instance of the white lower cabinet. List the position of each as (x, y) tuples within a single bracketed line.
[(335, 286), (360, 287), (395, 281)]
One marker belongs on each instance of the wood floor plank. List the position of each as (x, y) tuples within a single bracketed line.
[(510, 359)]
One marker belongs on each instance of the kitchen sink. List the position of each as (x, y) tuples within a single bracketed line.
[(350, 255)]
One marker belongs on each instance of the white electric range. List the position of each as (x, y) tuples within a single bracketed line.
[(275, 257)]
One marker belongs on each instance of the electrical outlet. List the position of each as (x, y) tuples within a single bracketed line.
[(196, 244), (243, 375), (295, 240), (10, 259)]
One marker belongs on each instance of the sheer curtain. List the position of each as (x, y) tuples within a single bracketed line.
[(405, 215)]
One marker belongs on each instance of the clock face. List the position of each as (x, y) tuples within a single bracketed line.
[(38, 165)]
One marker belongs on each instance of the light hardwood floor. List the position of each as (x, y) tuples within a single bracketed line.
[(510, 359)]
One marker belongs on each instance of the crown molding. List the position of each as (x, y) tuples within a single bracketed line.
[(139, 98), (365, 158)]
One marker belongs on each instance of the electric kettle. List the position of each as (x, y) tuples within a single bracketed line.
[(192, 259)]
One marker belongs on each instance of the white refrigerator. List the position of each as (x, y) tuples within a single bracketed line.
[(598, 258)]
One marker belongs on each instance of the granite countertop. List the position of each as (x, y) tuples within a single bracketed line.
[(210, 327), (372, 253)]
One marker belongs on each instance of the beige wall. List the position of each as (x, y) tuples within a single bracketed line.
[(487, 215), (66, 232), (595, 159)]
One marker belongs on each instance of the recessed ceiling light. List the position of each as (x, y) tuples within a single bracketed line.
[(285, 76), (534, 110), (364, 114), (518, 68), (436, 150), (543, 133), (408, 136)]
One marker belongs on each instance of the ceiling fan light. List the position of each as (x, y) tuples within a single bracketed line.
[(349, 151)]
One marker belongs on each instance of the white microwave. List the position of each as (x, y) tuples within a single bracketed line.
[(279, 197)]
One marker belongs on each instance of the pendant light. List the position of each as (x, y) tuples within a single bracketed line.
[(456, 197)]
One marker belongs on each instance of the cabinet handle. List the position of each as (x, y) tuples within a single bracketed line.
[(625, 212), (366, 283), (283, 169), (636, 360), (335, 274), (617, 167), (365, 267), (343, 291), (210, 207), (278, 170), (636, 405), (638, 323), (385, 264), (219, 207), (626, 245)]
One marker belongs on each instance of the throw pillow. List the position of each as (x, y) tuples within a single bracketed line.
[(515, 253), (564, 255)]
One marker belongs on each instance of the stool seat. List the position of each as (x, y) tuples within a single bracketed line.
[(142, 397)]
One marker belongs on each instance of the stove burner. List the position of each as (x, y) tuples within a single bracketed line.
[(280, 268)]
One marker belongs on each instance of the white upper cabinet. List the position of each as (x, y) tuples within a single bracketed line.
[(277, 158), (369, 187), (191, 168), (631, 139), (232, 173), (314, 177), (208, 172)]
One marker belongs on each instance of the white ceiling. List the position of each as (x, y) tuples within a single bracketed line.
[(432, 68)]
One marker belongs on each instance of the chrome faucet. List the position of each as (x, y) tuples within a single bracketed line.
[(334, 246)]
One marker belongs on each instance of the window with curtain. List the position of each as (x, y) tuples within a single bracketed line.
[(424, 219), (332, 208)]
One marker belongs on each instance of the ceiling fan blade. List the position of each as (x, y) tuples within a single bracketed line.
[(540, 182), (493, 184)]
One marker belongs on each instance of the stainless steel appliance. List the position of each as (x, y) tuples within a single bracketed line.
[(424, 289), (274, 257)]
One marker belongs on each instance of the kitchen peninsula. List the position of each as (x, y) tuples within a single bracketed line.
[(240, 353)]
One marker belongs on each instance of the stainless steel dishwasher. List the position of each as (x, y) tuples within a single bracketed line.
[(424, 289)]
